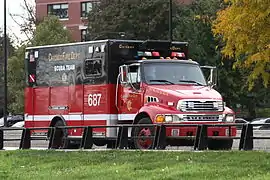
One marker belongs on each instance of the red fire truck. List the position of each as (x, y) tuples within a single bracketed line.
[(110, 82)]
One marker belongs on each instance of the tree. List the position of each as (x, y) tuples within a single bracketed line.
[(244, 28), (138, 19), (16, 81), (49, 31)]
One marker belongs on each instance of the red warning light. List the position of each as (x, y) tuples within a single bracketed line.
[(174, 54), (181, 54), (155, 54), (178, 54)]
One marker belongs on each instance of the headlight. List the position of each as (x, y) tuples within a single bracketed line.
[(167, 118), (172, 118), (229, 118)]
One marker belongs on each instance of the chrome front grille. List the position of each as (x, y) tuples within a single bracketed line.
[(200, 105), (202, 117)]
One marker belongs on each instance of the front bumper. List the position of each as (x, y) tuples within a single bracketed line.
[(190, 122), (187, 131)]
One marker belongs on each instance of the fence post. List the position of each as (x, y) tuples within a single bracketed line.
[(197, 138), (203, 140), (25, 139), (1, 139), (87, 140), (51, 137), (243, 132), (119, 135), (55, 140), (157, 131), (248, 141), (122, 138), (161, 137)]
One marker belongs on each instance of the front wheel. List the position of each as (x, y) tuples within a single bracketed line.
[(143, 137)]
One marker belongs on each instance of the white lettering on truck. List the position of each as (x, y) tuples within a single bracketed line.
[(94, 99), (64, 68)]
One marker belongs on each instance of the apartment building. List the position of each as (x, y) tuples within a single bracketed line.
[(72, 13)]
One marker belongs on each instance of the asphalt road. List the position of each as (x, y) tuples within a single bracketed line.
[(260, 144)]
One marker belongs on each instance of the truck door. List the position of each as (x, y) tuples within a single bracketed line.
[(130, 95)]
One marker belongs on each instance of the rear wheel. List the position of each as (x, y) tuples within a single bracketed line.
[(140, 134), (220, 144), (63, 142)]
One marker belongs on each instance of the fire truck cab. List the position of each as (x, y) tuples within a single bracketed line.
[(112, 82)]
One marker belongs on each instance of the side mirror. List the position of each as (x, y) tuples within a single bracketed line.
[(123, 71), (212, 79)]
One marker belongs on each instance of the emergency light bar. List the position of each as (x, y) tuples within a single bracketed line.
[(147, 53)]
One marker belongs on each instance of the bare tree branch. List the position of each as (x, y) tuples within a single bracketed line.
[(20, 25), (26, 21), (30, 11)]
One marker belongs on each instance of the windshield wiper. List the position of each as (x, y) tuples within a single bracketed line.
[(191, 81), (161, 80)]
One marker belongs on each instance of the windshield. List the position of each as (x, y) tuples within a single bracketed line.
[(173, 73)]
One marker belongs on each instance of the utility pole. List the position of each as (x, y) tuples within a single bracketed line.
[(5, 63), (170, 21)]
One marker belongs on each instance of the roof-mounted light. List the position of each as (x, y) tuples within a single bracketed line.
[(155, 54), (147, 53), (140, 53), (178, 54)]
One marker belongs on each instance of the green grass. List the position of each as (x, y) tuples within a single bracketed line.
[(36, 165)]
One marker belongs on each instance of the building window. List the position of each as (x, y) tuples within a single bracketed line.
[(84, 35), (59, 10), (86, 7)]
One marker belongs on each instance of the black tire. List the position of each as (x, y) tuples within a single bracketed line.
[(138, 143), (64, 143), (100, 143), (220, 144)]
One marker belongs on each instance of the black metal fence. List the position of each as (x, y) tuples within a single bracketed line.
[(121, 141)]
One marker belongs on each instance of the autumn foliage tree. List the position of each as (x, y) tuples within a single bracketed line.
[(244, 27)]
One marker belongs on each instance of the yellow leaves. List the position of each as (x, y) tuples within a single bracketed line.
[(245, 28), (197, 17)]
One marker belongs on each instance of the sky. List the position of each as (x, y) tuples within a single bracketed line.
[(13, 7)]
